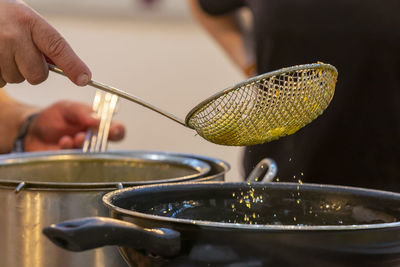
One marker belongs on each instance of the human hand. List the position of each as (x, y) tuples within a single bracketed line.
[(25, 40), (63, 126)]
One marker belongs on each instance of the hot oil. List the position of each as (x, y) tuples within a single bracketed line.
[(263, 206)]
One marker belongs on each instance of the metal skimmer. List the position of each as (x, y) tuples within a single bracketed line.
[(104, 106), (258, 110)]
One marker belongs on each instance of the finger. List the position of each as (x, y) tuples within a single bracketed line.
[(117, 131), (31, 62), (32, 143), (79, 138), (9, 70), (56, 48), (66, 142)]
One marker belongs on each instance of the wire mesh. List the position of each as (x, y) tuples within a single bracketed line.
[(265, 107)]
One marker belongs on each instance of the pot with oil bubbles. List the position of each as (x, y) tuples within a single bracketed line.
[(273, 204)]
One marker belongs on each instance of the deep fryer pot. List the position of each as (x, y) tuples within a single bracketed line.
[(243, 224)]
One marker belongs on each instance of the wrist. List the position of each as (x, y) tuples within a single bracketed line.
[(19, 142), (12, 115)]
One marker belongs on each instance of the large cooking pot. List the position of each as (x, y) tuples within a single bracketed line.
[(243, 224), (37, 189)]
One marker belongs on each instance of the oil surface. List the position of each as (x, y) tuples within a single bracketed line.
[(259, 207)]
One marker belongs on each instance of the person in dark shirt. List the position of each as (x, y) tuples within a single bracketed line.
[(356, 141)]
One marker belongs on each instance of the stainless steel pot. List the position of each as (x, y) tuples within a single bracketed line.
[(37, 189)]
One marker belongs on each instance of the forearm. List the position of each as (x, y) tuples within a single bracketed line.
[(225, 31), (12, 115)]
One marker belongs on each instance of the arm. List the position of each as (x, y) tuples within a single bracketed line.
[(225, 31), (12, 115)]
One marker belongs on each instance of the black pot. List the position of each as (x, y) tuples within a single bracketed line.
[(243, 224)]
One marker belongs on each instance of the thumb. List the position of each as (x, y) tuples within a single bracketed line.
[(55, 47)]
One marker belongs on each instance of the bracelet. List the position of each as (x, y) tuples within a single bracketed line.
[(19, 143)]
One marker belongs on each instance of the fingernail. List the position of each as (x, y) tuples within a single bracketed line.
[(83, 80)]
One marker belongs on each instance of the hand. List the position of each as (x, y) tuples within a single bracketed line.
[(25, 40), (63, 126)]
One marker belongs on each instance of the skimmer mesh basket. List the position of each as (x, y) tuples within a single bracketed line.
[(265, 107)]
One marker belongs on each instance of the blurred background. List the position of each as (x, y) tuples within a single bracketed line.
[(150, 48)]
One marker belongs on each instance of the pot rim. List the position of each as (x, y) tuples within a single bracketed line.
[(193, 159), (108, 199)]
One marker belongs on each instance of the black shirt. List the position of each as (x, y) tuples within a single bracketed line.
[(357, 139)]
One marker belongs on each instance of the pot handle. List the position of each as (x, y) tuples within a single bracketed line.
[(93, 232), (265, 171)]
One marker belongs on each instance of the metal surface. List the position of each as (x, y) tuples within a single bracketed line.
[(104, 105), (125, 95), (39, 203), (264, 171), (97, 170), (265, 107), (258, 110), (330, 226), (374, 241)]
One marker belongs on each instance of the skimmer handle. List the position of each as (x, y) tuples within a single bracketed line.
[(125, 95)]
